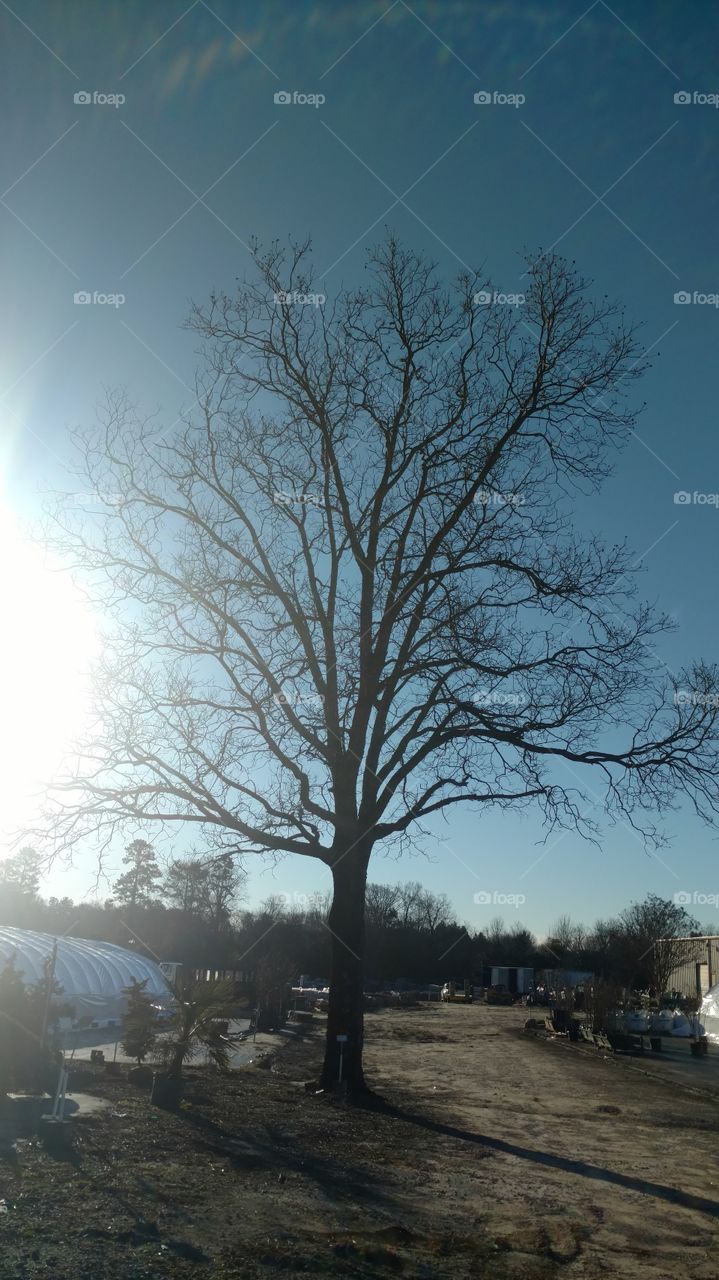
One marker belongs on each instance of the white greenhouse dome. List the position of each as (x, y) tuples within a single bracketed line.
[(91, 974)]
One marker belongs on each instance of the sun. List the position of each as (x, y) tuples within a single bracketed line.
[(48, 639)]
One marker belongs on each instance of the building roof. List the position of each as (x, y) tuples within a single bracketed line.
[(693, 937)]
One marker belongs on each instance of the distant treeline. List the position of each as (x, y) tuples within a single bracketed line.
[(192, 913)]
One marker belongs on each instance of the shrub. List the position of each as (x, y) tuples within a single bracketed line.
[(24, 1061), (201, 1009), (140, 1024)]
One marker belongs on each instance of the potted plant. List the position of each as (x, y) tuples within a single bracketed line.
[(698, 1044), (197, 1024)]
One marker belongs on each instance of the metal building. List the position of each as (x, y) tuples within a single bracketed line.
[(699, 969)]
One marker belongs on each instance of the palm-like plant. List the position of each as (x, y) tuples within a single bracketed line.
[(196, 1023)]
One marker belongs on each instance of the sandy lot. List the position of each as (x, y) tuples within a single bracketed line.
[(499, 1156), (603, 1161)]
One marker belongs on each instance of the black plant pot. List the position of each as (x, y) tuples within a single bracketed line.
[(167, 1091), (141, 1076), (56, 1135)]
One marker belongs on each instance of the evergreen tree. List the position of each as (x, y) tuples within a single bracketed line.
[(222, 887), (185, 885), (137, 887), (21, 872), (139, 1025)]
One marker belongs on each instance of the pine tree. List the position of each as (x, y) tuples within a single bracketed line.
[(137, 887), (223, 885), (21, 872), (139, 1025), (185, 885)]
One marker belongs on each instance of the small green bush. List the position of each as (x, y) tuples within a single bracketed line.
[(139, 1025)]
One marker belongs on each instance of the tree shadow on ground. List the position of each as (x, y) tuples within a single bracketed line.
[(336, 1178), (144, 1231), (580, 1168)]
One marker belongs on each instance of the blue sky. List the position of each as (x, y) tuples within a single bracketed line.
[(156, 199)]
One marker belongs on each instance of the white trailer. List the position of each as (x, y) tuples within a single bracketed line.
[(516, 979)]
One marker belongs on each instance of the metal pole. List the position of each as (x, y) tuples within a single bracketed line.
[(341, 1040), (50, 985), (58, 1106)]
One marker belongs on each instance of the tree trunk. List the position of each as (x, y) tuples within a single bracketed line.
[(343, 1056)]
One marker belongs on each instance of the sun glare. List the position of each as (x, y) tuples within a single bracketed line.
[(47, 641)]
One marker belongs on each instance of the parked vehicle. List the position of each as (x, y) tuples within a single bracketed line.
[(456, 993)]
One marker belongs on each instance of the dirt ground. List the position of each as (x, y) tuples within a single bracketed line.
[(500, 1155)]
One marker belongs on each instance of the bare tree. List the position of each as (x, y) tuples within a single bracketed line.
[(347, 595), (654, 934), (436, 911), (566, 940), (381, 905), (414, 906), (496, 932), (409, 905), (644, 944), (207, 887)]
